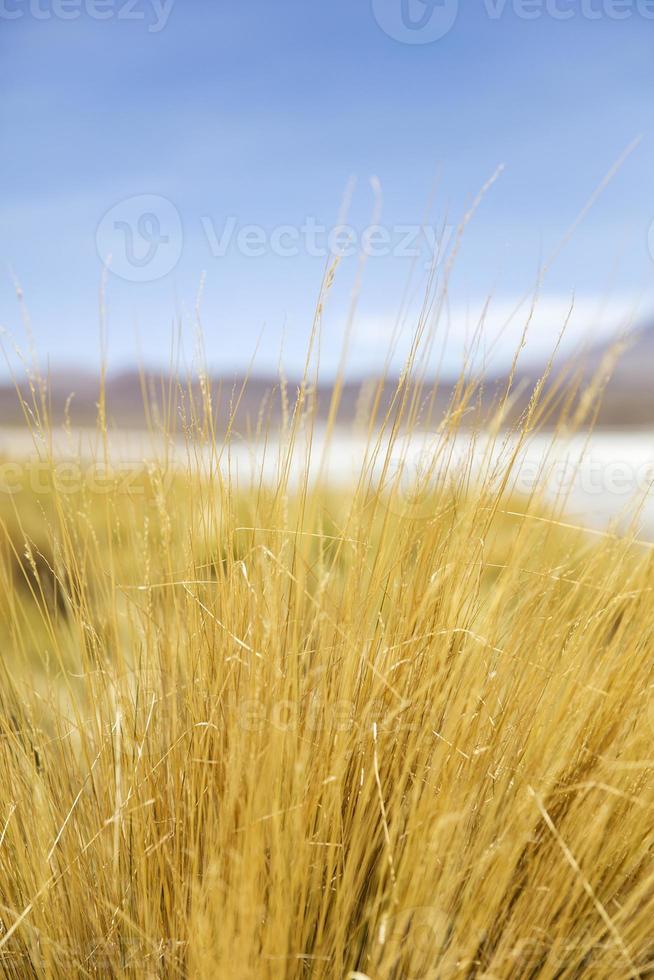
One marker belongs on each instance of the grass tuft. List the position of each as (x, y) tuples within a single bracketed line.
[(260, 726)]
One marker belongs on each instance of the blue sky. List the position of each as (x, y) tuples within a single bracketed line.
[(181, 121)]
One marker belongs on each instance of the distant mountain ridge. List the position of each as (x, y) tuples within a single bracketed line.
[(628, 400), (629, 396), (255, 401)]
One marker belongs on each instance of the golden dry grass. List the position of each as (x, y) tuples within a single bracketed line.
[(282, 731)]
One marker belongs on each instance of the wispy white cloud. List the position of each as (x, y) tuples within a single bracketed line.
[(590, 319)]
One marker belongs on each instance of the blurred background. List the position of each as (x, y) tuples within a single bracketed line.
[(208, 152)]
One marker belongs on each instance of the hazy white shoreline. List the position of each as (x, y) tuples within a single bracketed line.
[(603, 476)]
